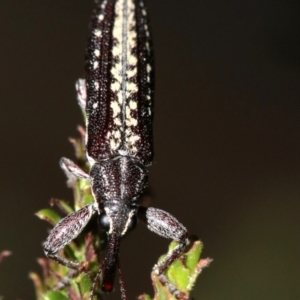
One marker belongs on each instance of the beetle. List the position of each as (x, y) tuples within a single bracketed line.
[(117, 97)]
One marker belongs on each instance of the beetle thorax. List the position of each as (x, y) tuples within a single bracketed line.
[(121, 179)]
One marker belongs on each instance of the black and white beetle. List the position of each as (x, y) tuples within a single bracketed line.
[(117, 96)]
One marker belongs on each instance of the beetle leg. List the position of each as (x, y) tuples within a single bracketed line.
[(121, 282), (164, 224), (173, 290), (65, 231), (81, 93), (72, 171)]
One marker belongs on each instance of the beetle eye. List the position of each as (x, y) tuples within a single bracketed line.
[(103, 221), (132, 223)]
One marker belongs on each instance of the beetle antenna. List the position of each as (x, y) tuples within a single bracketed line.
[(121, 282)]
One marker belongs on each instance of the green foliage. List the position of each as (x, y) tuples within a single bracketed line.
[(182, 274), (59, 282)]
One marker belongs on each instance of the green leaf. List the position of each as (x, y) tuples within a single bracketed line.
[(64, 206), (144, 297), (193, 255), (71, 252), (87, 198), (178, 275), (172, 246), (85, 284), (48, 215), (84, 184), (75, 287), (55, 295), (38, 284)]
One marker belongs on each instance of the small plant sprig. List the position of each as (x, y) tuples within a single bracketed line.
[(182, 274), (60, 283)]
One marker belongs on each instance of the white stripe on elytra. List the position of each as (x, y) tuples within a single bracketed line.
[(130, 87), (125, 68)]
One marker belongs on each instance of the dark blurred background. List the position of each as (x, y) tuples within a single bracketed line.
[(227, 139)]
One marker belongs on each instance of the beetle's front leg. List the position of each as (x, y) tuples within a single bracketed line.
[(166, 225), (81, 93), (72, 171), (65, 231)]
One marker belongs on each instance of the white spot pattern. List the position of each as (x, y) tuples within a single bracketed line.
[(96, 64), (97, 33)]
